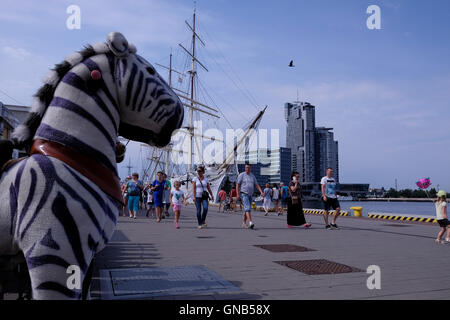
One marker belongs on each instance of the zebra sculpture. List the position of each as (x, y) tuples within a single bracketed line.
[(60, 205)]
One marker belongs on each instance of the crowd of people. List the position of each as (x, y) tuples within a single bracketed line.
[(157, 197)]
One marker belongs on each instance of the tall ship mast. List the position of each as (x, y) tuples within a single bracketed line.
[(218, 174)]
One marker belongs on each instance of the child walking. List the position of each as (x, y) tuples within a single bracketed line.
[(150, 203), (441, 216), (177, 199), (267, 199)]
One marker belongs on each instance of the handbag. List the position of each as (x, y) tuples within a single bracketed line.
[(205, 194), (294, 198)]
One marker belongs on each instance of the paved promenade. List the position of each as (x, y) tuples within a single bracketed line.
[(412, 265)]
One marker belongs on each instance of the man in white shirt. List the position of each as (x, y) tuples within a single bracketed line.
[(329, 198), (245, 187)]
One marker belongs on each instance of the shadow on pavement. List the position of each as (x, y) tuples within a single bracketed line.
[(119, 255)]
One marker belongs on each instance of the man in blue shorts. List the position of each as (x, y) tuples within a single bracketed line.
[(245, 187)]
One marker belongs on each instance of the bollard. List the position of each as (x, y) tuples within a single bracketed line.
[(357, 211)]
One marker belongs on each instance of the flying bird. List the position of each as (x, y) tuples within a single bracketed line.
[(291, 64)]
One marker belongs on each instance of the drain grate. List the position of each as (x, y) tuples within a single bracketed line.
[(205, 237), (320, 266), (396, 225), (283, 248)]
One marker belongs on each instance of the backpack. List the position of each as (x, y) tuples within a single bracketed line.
[(285, 192), (133, 189)]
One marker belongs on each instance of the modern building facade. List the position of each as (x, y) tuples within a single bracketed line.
[(300, 138), (327, 149), (8, 121), (313, 148), (269, 166), (20, 112), (10, 117)]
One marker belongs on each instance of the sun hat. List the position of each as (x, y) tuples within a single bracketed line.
[(441, 193)]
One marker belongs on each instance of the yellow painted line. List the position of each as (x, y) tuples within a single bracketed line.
[(401, 218)]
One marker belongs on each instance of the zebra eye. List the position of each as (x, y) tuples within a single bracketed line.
[(151, 71), (96, 75)]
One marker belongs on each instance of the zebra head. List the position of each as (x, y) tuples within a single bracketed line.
[(149, 109), (121, 91)]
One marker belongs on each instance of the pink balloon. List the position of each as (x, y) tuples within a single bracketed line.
[(423, 183)]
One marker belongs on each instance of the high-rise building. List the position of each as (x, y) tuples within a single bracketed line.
[(312, 149), (327, 149), (269, 166)]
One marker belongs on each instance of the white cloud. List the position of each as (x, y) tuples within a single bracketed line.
[(16, 53)]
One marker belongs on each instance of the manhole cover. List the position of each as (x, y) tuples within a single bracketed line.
[(320, 266), (283, 248), (396, 225), (141, 283)]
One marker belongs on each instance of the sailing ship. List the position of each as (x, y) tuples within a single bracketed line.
[(220, 175)]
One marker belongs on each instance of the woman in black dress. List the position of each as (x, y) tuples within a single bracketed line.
[(295, 216)]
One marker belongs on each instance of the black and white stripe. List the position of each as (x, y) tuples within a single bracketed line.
[(52, 213)]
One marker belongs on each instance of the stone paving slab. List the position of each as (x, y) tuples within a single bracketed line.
[(412, 265)]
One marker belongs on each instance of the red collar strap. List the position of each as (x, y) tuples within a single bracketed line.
[(104, 178)]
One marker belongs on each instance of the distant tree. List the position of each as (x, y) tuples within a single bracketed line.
[(406, 193), (418, 193), (432, 193), (392, 193)]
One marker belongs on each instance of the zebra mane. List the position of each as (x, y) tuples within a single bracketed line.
[(24, 133)]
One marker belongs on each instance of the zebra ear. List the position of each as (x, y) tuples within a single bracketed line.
[(117, 44), (132, 48)]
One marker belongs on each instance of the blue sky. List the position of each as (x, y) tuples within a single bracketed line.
[(385, 92)]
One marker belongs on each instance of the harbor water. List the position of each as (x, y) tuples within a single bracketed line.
[(401, 208)]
